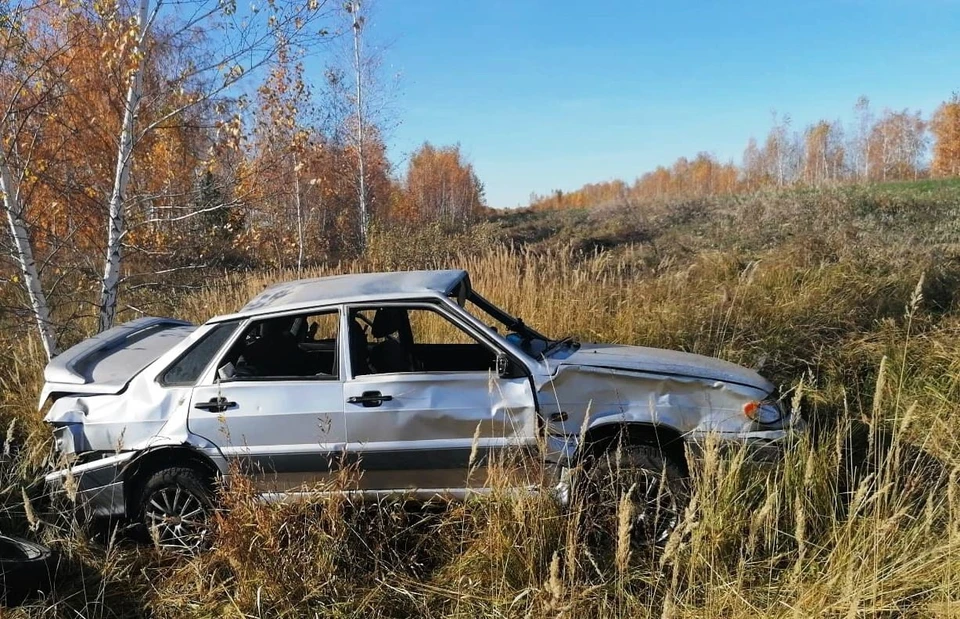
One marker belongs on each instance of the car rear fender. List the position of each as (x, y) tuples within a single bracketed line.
[(149, 461)]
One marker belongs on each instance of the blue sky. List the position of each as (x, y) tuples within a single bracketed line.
[(546, 95)]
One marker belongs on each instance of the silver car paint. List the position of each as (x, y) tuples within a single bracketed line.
[(292, 431), (106, 362), (604, 384), (145, 414), (305, 294), (443, 412), (662, 362), (271, 420)]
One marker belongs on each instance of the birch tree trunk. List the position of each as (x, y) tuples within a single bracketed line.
[(361, 172), (866, 162), (296, 196), (116, 224), (28, 266)]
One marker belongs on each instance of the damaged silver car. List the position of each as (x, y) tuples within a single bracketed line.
[(412, 379)]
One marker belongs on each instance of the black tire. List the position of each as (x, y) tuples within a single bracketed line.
[(175, 507), (24, 569), (659, 493)]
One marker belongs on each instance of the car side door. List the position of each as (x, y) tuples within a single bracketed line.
[(273, 403), (425, 408)]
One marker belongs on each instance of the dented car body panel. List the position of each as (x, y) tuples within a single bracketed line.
[(410, 380), (106, 362)]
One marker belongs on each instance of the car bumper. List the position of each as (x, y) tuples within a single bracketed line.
[(762, 446), (96, 487)]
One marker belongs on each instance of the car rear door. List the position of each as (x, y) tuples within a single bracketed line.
[(437, 424), (278, 416)]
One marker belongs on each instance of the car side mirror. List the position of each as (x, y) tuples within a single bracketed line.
[(503, 365), (506, 367)]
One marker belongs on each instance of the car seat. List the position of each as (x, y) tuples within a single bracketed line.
[(392, 354), (358, 348)]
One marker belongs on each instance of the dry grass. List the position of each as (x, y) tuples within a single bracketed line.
[(859, 520)]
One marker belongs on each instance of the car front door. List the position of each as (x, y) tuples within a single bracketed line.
[(424, 406), (274, 402)]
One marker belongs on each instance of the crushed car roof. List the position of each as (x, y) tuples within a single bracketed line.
[(353, 288)]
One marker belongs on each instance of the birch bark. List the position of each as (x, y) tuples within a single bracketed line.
[(361, 171), (28, 266), (110, 283)]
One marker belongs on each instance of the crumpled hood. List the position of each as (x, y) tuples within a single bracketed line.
[(660, 361)]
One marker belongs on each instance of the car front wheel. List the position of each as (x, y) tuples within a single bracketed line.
[(653, 484), (175, 506)]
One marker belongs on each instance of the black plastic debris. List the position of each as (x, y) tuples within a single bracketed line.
[(24, 569)]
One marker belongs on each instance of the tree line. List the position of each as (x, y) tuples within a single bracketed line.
[(889, 146), (144, 138)]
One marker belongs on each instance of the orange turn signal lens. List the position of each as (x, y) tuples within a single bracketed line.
[(750, 409)]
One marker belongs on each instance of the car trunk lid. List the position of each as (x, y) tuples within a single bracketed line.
[(105, 363)]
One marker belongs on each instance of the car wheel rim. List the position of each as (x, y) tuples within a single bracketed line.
[(177, 518), (656, 509), (656, 512)]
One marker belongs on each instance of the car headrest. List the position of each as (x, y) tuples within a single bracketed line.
[(274, 327), (388, 320), (356, 331)]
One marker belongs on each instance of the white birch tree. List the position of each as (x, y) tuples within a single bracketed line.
[(354, 9), (361, 99), (243, 47), (24, 255), (110, 282), (860, 144), (27, 84), (217, 48)]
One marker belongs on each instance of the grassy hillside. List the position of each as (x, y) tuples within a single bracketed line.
[(847, 293)]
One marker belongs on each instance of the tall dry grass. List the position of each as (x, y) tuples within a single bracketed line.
[(862, 518)]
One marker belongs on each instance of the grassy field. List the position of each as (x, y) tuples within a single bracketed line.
[(848, 293)]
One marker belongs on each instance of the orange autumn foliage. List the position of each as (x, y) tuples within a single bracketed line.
[(440, 185), (946, 130)]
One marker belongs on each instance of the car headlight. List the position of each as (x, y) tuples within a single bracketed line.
[(766, 412)]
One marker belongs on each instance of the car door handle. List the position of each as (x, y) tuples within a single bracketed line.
[(215, 405), (369, 399)]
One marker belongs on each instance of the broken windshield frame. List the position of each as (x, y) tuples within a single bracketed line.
[(512, 328)]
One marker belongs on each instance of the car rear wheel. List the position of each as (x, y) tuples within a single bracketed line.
[(175, 507), (654, 486)]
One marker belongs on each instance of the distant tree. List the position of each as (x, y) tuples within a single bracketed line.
[(897, 145), (211, 236), (891, 147), (703, 176), (860, 143), (283, 136), (441, 186), (946, 130), (823, 153), (780, 152), (654, 184), (752, 167)]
